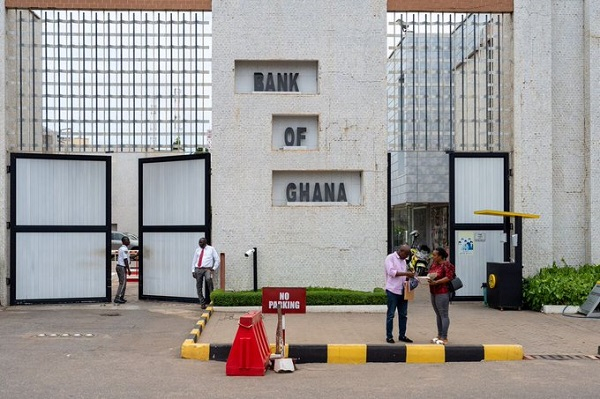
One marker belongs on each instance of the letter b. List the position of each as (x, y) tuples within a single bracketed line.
[(259, 81)]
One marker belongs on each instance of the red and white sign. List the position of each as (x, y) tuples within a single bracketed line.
[(292, 300)]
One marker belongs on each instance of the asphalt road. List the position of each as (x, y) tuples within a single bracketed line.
[(107, 351)]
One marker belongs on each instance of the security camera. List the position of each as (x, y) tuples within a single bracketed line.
[(249, 252)]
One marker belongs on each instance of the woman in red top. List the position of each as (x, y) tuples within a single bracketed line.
[(440, 294)]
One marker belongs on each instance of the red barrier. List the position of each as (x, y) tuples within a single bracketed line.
[(135, 273), (250, 351)]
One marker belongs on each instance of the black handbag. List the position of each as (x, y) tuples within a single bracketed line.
[(455, 284)]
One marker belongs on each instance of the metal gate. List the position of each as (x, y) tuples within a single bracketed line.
[(477, 181), (60, 228), (174, 212)]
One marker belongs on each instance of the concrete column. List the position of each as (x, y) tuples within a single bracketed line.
[(532, 175), (568, 144), (5, 179), (592, 125)]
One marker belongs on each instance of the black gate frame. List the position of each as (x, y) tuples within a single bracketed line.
[(16, 228), (206, 228), (504, 226)]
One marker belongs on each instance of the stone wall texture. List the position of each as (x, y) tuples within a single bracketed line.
[(556, 131), (324, 245), (554, 168)]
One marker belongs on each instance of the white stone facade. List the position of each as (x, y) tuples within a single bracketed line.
[(556, 170), (556, 130), (5, 179), (302, 245)]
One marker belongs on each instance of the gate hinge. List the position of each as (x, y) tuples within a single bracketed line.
[(8, 225), (7, 168), (510, 172), (8, 281)]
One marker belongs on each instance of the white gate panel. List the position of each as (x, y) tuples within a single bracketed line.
[(60, 228), (168, 272), (471, 262), (478, 181), (175, 213), (479, 185), (174, 192), (61, 265), (60, 192)]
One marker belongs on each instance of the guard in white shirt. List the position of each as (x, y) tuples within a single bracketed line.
[(122, 268), (205, 262)]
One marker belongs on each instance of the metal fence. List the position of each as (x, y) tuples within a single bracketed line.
[(110, 81), (448, 81), (100, 81)]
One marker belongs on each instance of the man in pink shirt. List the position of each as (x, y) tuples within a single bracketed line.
[(396, 272)]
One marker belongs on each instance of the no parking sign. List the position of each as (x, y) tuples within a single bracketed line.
[(292, 300)]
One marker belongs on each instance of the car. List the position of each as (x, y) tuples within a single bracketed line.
[(116, 242)]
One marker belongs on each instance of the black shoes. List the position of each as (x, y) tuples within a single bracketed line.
[(403, 339), (119, 300), (203, 306)]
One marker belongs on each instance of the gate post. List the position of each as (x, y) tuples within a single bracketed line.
[(222, 272)]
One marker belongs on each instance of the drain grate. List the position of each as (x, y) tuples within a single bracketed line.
[(562, 357), (65, 335)]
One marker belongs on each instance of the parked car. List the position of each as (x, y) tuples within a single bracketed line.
[(116, 242)]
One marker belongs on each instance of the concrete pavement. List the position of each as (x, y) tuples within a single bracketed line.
[(476, 333), (133, 350), (473, 327)]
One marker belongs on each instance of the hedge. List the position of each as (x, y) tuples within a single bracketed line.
[(314, 296), (560, 285)]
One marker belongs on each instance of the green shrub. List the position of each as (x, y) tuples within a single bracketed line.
[(236, 298), (314, 296), (566, 285)]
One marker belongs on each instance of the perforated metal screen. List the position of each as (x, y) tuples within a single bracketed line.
[(449, 81), (92, 81), (95, 81)]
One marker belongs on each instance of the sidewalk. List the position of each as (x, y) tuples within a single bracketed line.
[(134, 350), (472, 325)]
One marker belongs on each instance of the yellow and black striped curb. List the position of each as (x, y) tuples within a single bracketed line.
[(357, 353), (190, 349), (362, 353)]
